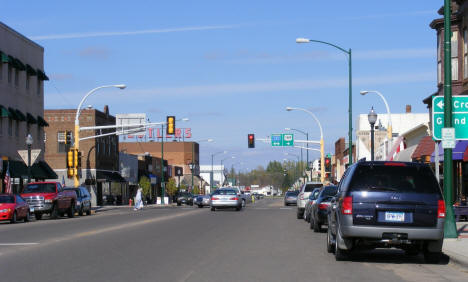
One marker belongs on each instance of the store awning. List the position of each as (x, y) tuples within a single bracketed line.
[(19, 65), (13, 113), (30, 70), (4, 57), (41, 75), (425, 148), (4, 112), (457, 152), (20, 115), (109, 176), (41, 121), (405, 155), (30, 118), (39, 170)]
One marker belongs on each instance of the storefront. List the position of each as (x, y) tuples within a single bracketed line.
[(19, 173)]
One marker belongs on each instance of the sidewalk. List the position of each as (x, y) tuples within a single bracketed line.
[(112, 207), (457, 249)]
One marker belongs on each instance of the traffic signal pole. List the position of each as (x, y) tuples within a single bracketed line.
[(322, 160)]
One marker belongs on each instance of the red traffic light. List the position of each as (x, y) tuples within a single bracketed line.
[(251, 140)]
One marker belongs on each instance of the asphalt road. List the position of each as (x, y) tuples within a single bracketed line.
[(263, 242)]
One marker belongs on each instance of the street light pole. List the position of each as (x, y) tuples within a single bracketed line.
[(29, 142), (350, 96), (322, 149), (163, 184), (76, 177), (372, 117)]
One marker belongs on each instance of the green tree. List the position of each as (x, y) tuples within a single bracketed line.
[(171, 187), (145, 185), (196, 190)]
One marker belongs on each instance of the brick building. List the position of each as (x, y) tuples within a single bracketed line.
[(21, 106), (100, 156)]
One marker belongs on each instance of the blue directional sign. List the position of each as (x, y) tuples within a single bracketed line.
[(282, 140), (276, 140)]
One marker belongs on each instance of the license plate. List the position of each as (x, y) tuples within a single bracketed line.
[(395, 216), (31, 209)]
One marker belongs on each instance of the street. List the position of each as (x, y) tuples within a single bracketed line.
[(263, 242)]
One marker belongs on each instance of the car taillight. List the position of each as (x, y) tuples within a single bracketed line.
[(214, 198), (440, 209), (347, 206), (234, 198), (394, 164), (323, 206)]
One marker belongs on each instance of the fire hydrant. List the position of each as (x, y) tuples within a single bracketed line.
[(130, 203)]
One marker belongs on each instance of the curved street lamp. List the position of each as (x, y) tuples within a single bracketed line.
[(372, 117)]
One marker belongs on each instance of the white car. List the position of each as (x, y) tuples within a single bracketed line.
[(226, 198), (303, 196)]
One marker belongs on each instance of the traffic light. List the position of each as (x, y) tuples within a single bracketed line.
[(170, 126), (79, 160), (328, 164), (251, 140), (320, 165), (68, 137), (70, 158)]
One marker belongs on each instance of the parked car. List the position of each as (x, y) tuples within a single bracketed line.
[(303, 196), (319, 209), (226, 198), (83, 200), (387, 204), (202, 200), (308, 207), (51, 198), (290, 198), (13, 208), (185, 198)]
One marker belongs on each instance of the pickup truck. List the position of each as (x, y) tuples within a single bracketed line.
[(50, 198)]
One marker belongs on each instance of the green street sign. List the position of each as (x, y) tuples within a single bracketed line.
[(282, 140), (459, 116)]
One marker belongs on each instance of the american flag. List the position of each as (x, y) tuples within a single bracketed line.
[(7, 180)]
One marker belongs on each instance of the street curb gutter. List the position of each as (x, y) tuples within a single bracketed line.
[(458, 259)]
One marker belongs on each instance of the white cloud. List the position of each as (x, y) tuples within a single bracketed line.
[(122, 33)]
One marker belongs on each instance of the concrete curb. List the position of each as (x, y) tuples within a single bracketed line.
[(458, 259)]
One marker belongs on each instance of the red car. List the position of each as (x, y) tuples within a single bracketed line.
[(13, 208)]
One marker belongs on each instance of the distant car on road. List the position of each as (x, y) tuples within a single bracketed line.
[(319, 209), (83, 200), (226, 198), (303, 196), (202, 200), (290, 198), (308, 207), (185, 198), (13, 208), (387, 204)]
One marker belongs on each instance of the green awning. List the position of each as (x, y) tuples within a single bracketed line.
[(30, 70), (4, 112), (13, 113), (4, 57), (41, 121), (20, 115), (39, 170), (41, 75), (30, 118), (19, 65)]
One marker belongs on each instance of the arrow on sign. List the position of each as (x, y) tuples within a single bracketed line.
[(440, 104)]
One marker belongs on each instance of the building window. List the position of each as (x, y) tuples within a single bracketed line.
[(27, 81), (10, 73), (17, 128), (465, 53), (16, 77), (10, 127), (62, 147), (439, 58), (454, 42)]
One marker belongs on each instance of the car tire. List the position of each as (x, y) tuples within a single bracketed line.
[(317, 226), (330, 245), (299, 214), (411, 251), (38, 216), (88, 212), (238, 208), (27, 218), (80, 212), (13, 218), (340, 255), (54, 213), (71, 211), (213, 209), (286, 204), (432, 257), (200, 206)]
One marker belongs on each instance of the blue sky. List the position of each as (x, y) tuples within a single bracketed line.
[(233, 66)]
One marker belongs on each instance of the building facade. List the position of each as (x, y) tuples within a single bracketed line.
[(21, 105)]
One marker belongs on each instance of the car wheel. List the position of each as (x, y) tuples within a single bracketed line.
[(299, 214), (286, 204), (432, 257), (38, 216), (71, 211), (54, 213), (200, 206), (340, 254), (179, 204), (411, 251), (27, 218), (317, 226), (13, 218), (88, 212), (213, 209), (80, 213), (330, 245)]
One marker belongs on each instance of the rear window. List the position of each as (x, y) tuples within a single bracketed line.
[(311, 187), (412, 179), (7, 199), (329, 191), (225, 192), (292, 193), (40, 188)]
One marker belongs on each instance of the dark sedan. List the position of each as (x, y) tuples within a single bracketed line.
[(319, 210), (185, 198), (290, 198)]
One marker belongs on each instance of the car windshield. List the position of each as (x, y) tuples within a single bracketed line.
[(183, 194), (7, 199), (40, 188), (225, 192), (311, 187), (394, 178)]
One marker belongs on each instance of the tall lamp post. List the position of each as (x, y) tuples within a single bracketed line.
[(192, 165), (350, 96), (76, 177), (372, 117), (222, 170), (211, 174), (322, 149), (29, 142), (389, 126)]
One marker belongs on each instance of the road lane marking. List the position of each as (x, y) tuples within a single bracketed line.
[(285, 208), (18, 244)]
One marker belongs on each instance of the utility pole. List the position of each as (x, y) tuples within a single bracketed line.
[(450, 228)]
